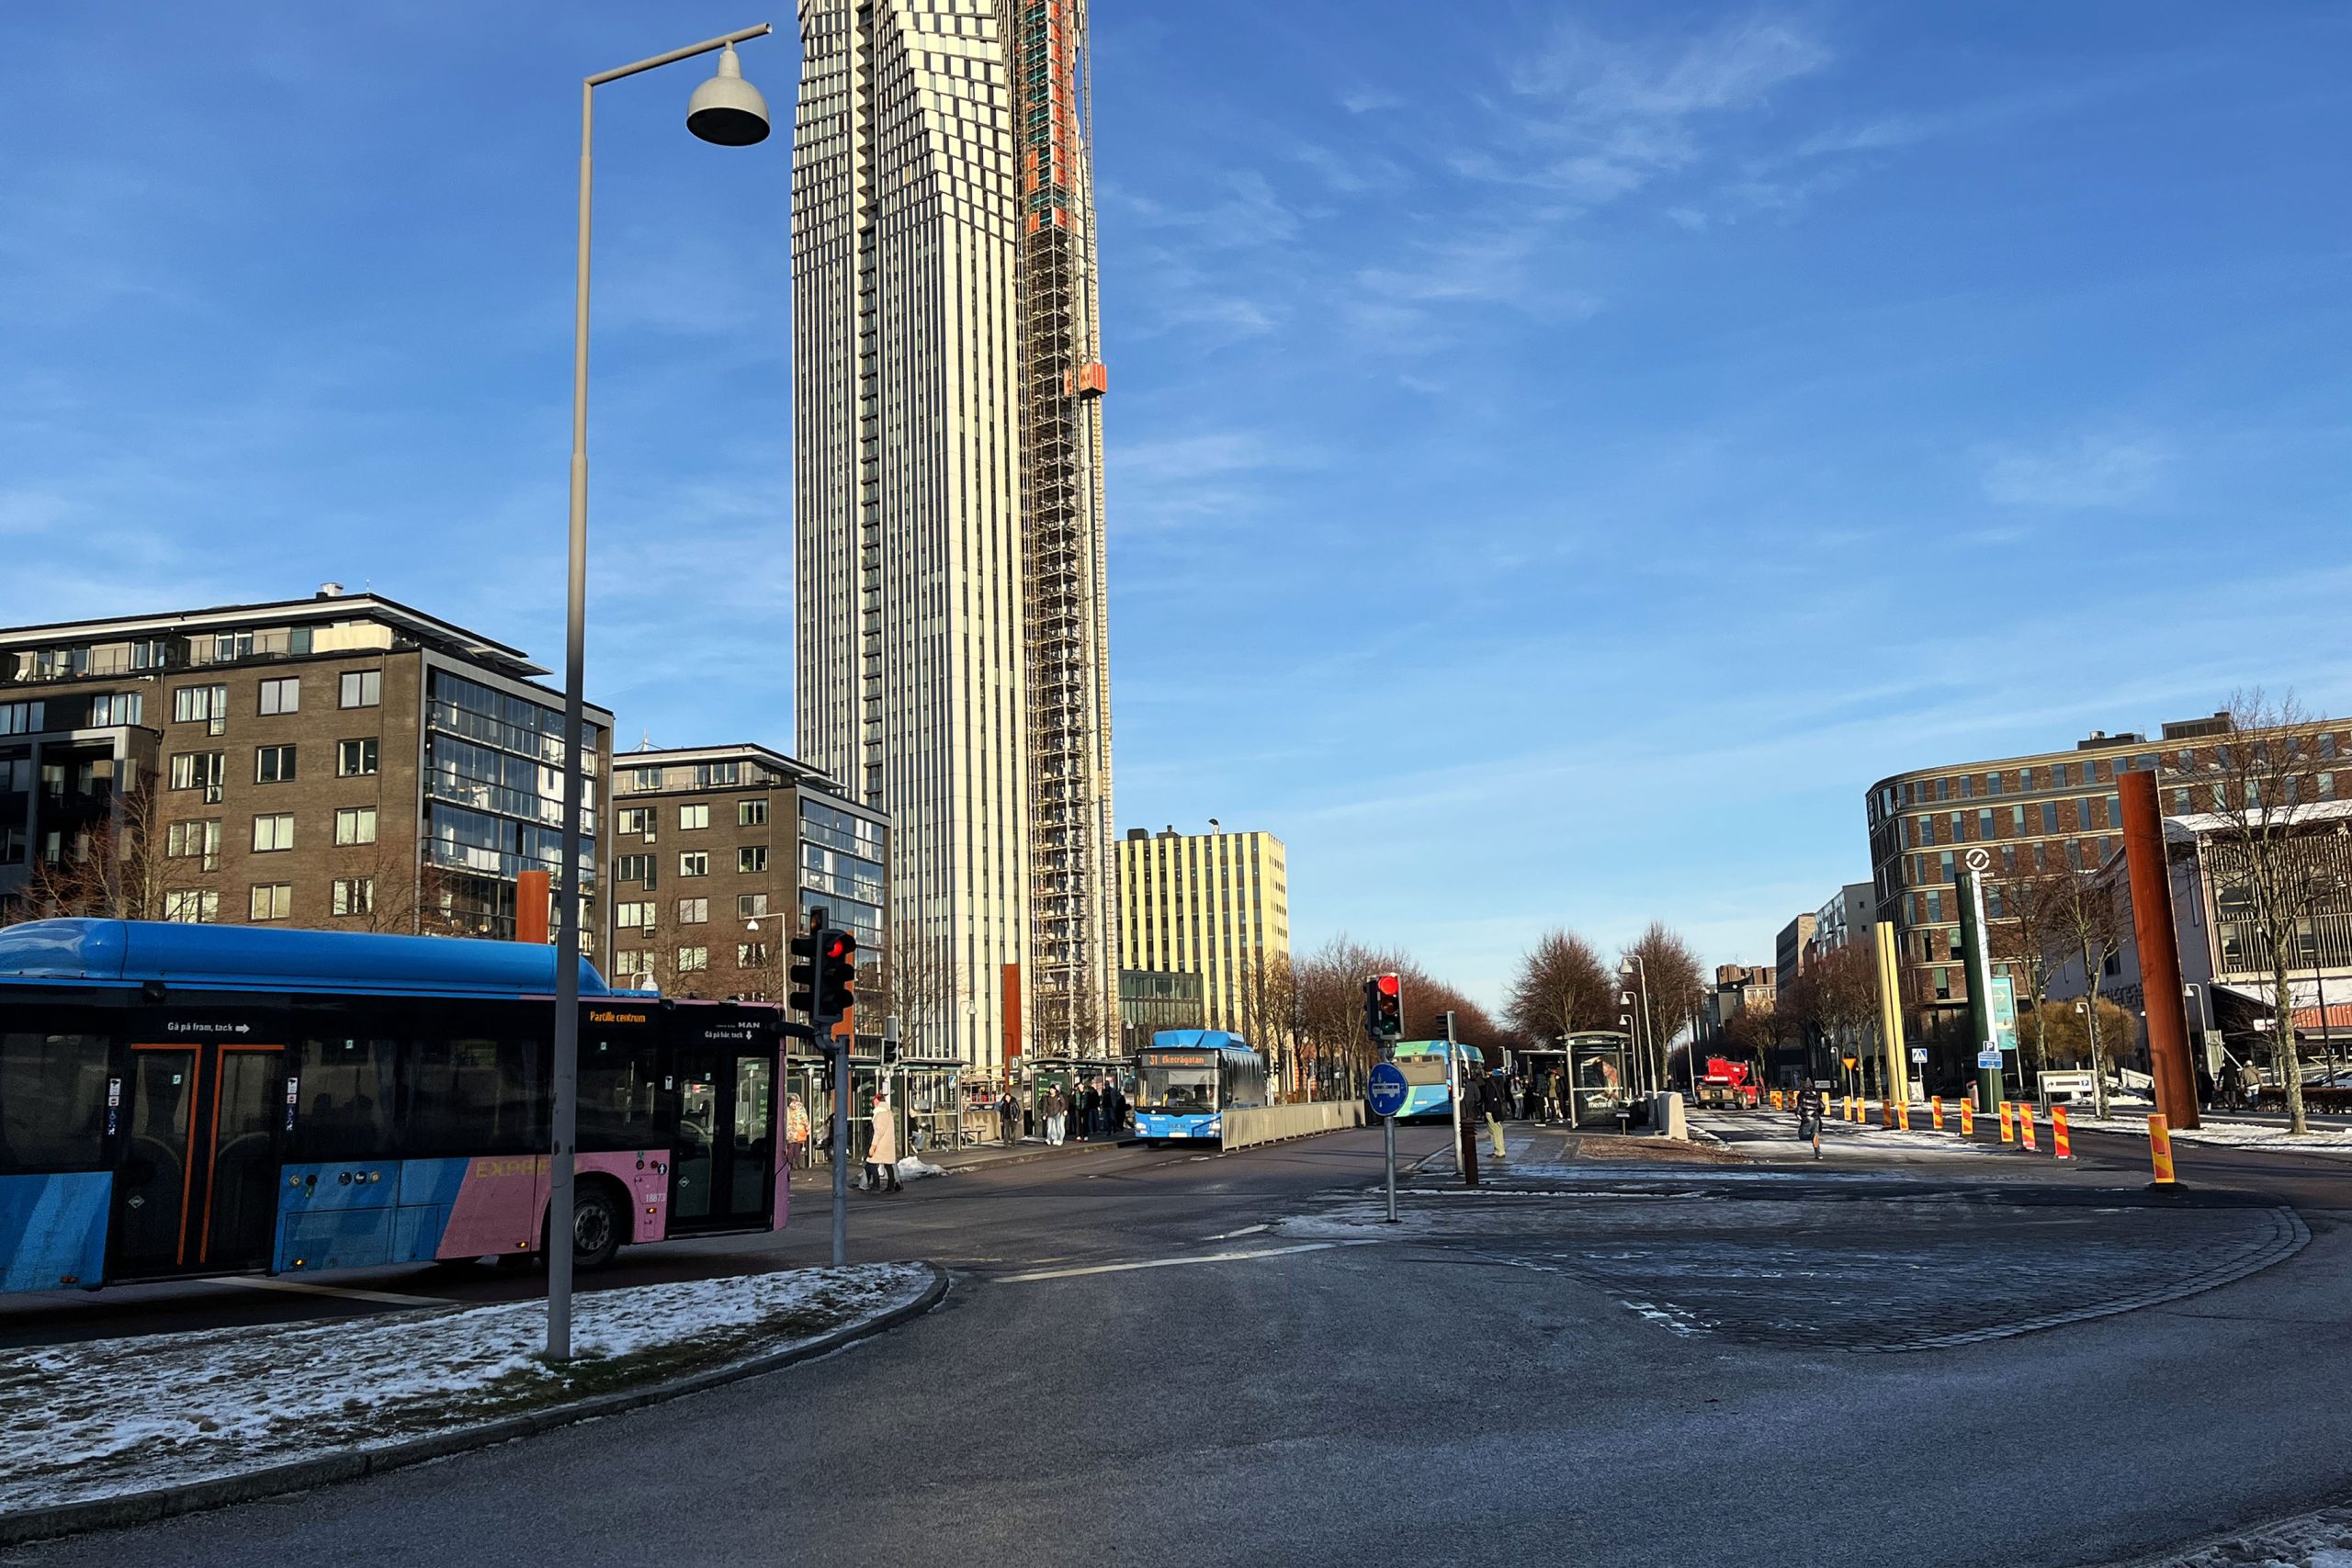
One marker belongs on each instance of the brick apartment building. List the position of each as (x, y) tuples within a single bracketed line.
[(718, 854), (2050, 811), (343, 761)]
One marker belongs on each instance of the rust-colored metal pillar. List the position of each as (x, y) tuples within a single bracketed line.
[(2152, 925), (531, 907)]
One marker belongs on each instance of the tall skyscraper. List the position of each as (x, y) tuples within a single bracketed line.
[(952, 655)]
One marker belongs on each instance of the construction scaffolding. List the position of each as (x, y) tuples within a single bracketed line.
[(1071, 881)]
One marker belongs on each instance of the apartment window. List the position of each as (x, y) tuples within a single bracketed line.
[(634, 917), (1992, 902), (717, 775), (355, 825), (1992, 783), (2048, 816), (2327, 745), (273, 901), (752, 813), (272, 833), (200, 705), (694, 911), (696, 864), (355, 895), (750, 955), (1935, 904), (752, 857), (20, 719), (750, 906), (1985, 822), (693, 817), (630, 964), (1967, 785), (1944, 867), (1943, 985), (692, 960), (1943, 789), (193, 907), (2009, 860), (642, 778), (199, 770), (638, 819), (361, 689), (1958, 826), (354, 759), (194, 841), (111, 708), (633, 868), (2326, 785), (2017, 820), (282, 695), (274, 764)]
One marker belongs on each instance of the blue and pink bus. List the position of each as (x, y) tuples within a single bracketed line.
[(191, 1100)]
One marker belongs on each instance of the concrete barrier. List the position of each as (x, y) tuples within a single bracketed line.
[(1272, 1123)]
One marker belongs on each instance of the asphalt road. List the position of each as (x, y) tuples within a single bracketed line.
[(1606, 1364)]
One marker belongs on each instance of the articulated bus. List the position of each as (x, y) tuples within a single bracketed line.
[(1429, 1092), (1186, 1080), (190, 1099)]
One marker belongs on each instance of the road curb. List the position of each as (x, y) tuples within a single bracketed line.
[(171, 1502), (1067, 1151)]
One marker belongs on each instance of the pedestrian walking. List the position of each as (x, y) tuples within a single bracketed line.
[(796, 1133), (1008, 1117), (1116, 1100), (1092, 1105), (882, 1150), (1495, 1102), (2204, 1086), (1552, 1095), (1057, 1116)]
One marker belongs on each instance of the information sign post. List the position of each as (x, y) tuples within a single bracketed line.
[(1386, 1094)]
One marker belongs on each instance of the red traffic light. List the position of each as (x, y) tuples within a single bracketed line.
[(1387, 984)]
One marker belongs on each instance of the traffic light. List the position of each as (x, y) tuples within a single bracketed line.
[(836, 978), (1384, 1007), (803, 974)]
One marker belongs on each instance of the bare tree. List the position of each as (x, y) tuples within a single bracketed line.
[(114, 867), (2093, 917), (1675, 982), (2029, 934), (1270, 1015), (2272, 859), (1563, 987), (1840, 990), (912, 983)]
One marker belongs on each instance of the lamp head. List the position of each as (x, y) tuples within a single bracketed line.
[(726, 109)]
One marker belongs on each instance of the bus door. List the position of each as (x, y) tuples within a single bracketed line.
[(722, 1172), (195, 1183)]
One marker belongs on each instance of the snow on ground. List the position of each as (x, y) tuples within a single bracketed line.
[(2336, 1141), (1776, 1139), (126, 1416)]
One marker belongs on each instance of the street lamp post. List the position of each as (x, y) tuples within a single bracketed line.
[(1631, 967), (728, 111)]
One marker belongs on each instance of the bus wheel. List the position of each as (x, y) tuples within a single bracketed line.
[(595, 1227)]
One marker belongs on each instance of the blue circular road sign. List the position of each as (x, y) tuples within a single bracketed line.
[(1386, 1088)]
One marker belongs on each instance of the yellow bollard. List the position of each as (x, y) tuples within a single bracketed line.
[(1903, 1114), (2008, 1124), (1968, 1119), (2160, 1150), (1854, 1108), (1936, 1104), (2060, 1147), (1886, 1111), (2025, 1129)]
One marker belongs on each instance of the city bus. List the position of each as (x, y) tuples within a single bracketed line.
[(1429, 1090), (1186, 1080), (192, 1099)]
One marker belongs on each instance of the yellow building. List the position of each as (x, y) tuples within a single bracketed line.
[(1216, 905)]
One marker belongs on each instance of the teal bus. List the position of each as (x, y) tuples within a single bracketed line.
[(1429, 1087)]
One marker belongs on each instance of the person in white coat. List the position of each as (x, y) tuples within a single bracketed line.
[(882, 1152)]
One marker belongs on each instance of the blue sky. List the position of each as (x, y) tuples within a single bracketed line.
[(1560, 455)]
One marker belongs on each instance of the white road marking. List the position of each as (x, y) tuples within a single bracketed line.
[(1246, 1230), (304, 1287), (1177, 1262)]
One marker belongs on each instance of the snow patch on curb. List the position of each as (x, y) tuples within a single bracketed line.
[(127, 1416)]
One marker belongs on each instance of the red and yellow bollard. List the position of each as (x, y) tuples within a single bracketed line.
[(1936, 1108), (1903, 1114), (1968, 1118), (1886, 1113), (2025, 1129), (2059, 1145), (2160, 1150), (2008, 1124)]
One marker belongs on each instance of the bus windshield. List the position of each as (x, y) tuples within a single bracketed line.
[(1175, 1089)]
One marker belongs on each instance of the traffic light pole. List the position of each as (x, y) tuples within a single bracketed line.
[(839, 1049)]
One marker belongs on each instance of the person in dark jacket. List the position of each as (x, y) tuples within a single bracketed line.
[(1093, 1103), (1495, 1103)]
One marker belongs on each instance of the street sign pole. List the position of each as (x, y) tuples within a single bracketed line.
[(1978, 956), (1384, 1090)]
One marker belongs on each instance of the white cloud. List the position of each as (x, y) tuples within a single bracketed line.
[(2085, 472), (1369, 100)]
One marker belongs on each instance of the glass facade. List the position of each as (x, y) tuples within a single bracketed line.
[(841, 868), (493, 796)]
